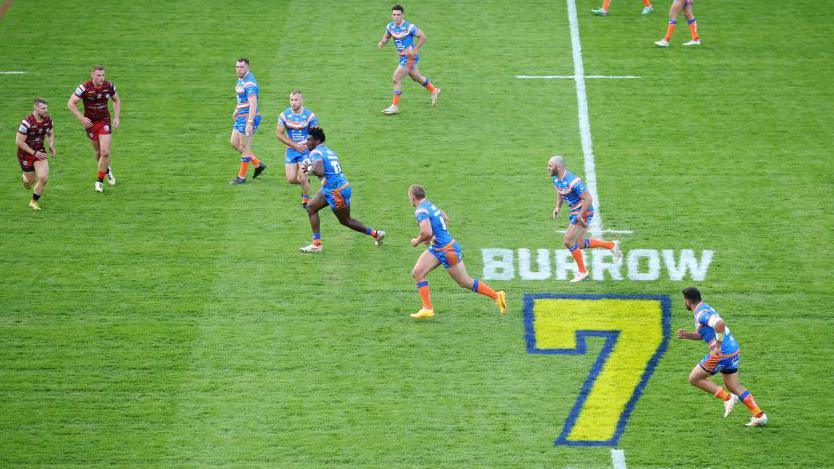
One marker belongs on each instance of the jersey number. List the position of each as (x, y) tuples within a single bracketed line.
[(337, 168), (635, 331)]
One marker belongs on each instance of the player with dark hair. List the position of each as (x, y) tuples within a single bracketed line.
[(408, 40), (246, 119), (674, 11), (293, 126), (442, 250), (96, 119), (723, 357), (335, 191), (30, 149)]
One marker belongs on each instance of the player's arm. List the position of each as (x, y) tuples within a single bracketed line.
[(586, 206), (720, 328), (420, 38), (281, 135), (316, 168), (21, 143), (72, 105), (558, 207), (117, 109), (425, 233), (50, 140), (250, 118), (684, 334), (385, 38)]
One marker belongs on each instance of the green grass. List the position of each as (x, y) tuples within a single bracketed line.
[(170, 321)]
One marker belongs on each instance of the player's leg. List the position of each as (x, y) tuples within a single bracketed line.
[(693, 25), (95, 141), (647, 7), (425, 264), (244, 146), (604, 10), (573, 235), (699, 377), (28, 176), (42, 173), (342, 212), (317, 203), (304, 181), (592, 243), (457, 270), (744, 395), (397, 79), (415, 75), (674, 11)]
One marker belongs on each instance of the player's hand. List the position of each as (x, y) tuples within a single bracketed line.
[(715, 348), (380, 44), (300, 147), (582, 221), (52, 152), (415, 242), (87, 122), (40, 155), (681, 333), (250, 127), (115, 123), (555, 213)]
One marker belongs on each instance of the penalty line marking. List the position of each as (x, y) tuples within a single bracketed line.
[(618, 459), (573, 77), (12, 72)]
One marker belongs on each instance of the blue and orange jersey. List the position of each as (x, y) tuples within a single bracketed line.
[(298, 125), (571, 188), (333, 177), (703, 315), (428, 211), (245, 88), (403, 34)]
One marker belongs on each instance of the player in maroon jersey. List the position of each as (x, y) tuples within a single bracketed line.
[(30, 150), (96, 119)]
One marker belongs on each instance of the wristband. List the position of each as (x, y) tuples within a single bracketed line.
[(719, 336)]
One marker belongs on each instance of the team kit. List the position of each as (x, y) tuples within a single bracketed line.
[(307, 153)]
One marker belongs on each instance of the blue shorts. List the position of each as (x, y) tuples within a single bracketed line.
[(713, 364), (240, 124), (294, 156), (448, 255), (409, 63), (574, 217), (337, 198)]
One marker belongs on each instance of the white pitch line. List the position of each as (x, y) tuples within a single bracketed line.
[(11, 72), (572, 77), (584, 120), (618, 459)]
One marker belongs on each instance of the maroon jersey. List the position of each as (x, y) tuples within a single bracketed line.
[(95, 99), (35, 131)]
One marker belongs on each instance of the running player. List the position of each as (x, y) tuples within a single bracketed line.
[(404, 34), (570, 188), (647, 8), (443, 250), (246, 119), (723, 356), (293, 126), (30, 151), (96, 119), (335, 191), (674, 11)]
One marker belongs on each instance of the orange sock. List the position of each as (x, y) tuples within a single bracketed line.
[(748, 401), (255, 161), (425, 294), (431, 88), (244, 165), (606, 4), (670, 29), (484, 289), (316, 242), (647, 3), (577, 256), (599, 243), (722, 394), (396, 100), (693, 29)]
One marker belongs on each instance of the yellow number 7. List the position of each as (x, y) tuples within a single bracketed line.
[(636, 330)]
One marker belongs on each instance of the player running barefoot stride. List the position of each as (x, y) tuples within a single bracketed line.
[(404, 34), (723, 356), (293, 126), (647, 8), (335, 191), (96, 119), (571, 189), (30, 150), (246, 119), (674, 11), (442, 250)]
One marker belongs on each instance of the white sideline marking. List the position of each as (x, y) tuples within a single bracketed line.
[(571, 77), (11, 72), (618, 459)]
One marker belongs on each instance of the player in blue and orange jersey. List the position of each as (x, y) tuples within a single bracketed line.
[(408, 40), (442, 250), (674, 11), (246, 119), (294, 125), (335, 191), (571, 189), (723, 356), (647, 8)]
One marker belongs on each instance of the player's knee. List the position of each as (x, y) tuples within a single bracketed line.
[(568, 244), (344, 221), (292, 180), (43, 179), (693, 380), (416, 274)]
